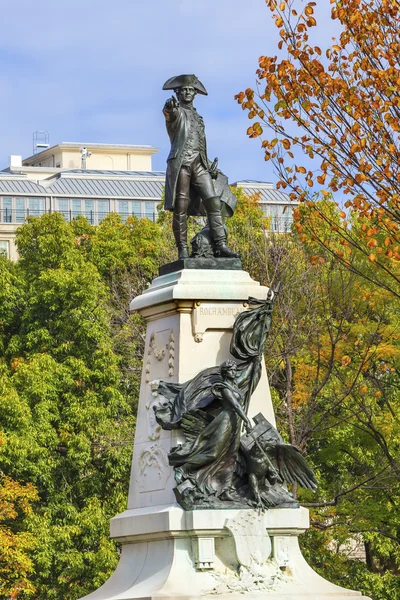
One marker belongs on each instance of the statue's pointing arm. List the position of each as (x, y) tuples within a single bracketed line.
[(171, 109)]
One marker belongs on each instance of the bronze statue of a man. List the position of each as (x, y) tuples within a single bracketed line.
[(189, 188)]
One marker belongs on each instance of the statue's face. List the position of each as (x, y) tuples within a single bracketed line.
[(231, 372), (186, 94)]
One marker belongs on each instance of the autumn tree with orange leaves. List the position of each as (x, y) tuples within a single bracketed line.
[(345, 102)]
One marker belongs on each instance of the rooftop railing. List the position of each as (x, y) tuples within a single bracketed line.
[(17, 217)]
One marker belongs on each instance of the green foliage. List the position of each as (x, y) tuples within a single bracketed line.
[(127, 256), (11, 301), (16, 565), (66, 406), (247, 228), (342, 569), (133, 245)]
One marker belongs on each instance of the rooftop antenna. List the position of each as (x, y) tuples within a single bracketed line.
[(41, 141), (85, 154)]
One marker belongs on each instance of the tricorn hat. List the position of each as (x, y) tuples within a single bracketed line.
[(179, 81)]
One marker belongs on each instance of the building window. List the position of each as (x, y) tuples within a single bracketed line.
[(6, 210), (63, 207), (103, 208), (123, 209), (20, 210), (93, 210), (35, 206), (5, 248), (126, 208), (279, 221), (89, 211), (150, 210), (76, 208), (137, 208), (15, 210)]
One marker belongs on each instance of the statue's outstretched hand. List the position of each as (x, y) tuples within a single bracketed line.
[(171, 104)]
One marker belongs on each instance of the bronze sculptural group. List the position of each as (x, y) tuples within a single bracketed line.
[(217, 466), (209, 455)]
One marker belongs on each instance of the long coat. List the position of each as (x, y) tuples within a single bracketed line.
[(178, 128)]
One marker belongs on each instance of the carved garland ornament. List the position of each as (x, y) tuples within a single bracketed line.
[(160, 353), (154, 457)]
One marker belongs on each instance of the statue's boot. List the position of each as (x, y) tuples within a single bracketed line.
[(217, 229), (179, 227)]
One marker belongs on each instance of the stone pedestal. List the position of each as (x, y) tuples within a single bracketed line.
[(167, 551)]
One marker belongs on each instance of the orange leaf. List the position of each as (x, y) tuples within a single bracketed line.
[(346, 360)]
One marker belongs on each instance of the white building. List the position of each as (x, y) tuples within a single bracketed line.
[(275, 204), (103, 157), (53, 180)]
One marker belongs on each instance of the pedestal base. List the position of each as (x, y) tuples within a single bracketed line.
[(171, 553)]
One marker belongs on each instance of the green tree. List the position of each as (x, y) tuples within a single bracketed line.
[(127, 256), (68, 425)]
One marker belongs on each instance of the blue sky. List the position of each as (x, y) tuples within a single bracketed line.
[(92, 71)]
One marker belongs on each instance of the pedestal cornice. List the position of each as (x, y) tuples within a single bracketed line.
[(198, 285), (173, 522)]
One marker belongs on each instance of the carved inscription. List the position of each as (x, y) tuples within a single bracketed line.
[(220, 311), (214, 315)]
